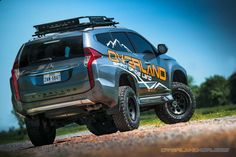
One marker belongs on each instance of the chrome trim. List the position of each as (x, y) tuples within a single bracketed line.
[(60, 105), (52, 41), (169, 98), (154, 97), (48, 72)]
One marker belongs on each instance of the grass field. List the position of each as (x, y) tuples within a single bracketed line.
[(147, 118), (200, 114)]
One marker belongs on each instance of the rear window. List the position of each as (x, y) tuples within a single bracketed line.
[(51, 51)]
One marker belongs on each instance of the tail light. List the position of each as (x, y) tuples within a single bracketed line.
[(90, 56), (15, 75)]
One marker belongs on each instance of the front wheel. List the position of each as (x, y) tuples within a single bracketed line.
[(181, 109)]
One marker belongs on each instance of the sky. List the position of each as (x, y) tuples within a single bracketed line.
[(200, 34)]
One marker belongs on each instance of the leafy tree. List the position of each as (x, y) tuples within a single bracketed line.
[(214, 91), (21, 123), (190, 80), (232, 86), (194, 88)]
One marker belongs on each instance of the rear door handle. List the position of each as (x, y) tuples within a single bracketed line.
[(126, 61), (147, 62)]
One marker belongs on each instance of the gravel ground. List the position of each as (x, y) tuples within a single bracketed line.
[(215, 137)]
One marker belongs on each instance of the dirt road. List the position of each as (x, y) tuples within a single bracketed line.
[(215, 137)]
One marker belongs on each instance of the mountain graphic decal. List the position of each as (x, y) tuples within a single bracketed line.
[(116, 43)]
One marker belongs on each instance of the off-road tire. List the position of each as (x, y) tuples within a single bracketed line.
[(124, 120), (102, 127), (40, 132), (165, 114)]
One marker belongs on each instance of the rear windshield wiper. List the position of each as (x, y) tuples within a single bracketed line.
[(43, 60)]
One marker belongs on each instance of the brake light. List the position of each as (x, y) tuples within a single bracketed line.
[(15, 75), (90, 56)]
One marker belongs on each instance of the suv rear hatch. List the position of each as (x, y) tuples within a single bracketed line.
[(52, 68)]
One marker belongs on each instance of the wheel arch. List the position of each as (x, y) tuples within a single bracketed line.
[(126, 79), (179, 75)]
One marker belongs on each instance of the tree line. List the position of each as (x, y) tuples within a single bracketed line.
[(215, 90)]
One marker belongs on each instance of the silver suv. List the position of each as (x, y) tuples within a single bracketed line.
[(89, 71)]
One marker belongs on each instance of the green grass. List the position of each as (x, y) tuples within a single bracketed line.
[(10, 137), (214, 112), (147, 118), (72, 128), (14, 136), (200, 114)]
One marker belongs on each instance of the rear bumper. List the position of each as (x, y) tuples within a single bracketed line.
[(100, 94), (42, 109)]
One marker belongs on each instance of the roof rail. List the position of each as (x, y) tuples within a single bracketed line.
[(73, 24)]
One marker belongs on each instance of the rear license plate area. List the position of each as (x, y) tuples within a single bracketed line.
[(51, 78)]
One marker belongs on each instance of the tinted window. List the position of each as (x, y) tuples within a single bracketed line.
[(121, 42), (140, 44), (104, 38), (51, 51)]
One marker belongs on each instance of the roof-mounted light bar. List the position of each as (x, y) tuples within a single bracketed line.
[(73, 24)]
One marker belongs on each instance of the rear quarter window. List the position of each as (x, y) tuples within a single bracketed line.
[(104, 38)]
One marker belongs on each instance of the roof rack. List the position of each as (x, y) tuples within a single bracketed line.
[(73, 24)]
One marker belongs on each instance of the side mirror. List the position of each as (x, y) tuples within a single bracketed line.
[(162, 49)]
